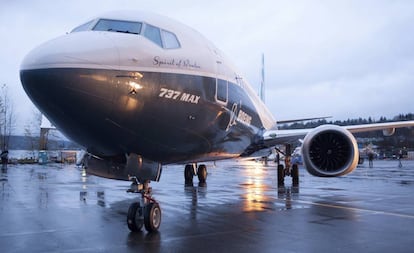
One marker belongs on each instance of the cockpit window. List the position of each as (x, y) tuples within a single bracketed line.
[(118, 26), (153, 34), (162, 38), (170, 40), (84, 27)]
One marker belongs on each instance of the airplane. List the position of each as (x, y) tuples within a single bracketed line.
[(140, 91)]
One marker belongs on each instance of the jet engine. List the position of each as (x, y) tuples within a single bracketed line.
[(122, 167), (330, 151)]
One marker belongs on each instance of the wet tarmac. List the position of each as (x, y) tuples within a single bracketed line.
[(56, 208)]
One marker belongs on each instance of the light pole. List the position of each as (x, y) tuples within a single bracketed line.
[(5, 115)]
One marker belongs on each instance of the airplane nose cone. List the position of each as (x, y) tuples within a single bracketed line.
[(75, 50), (70, 79), (59, 71)]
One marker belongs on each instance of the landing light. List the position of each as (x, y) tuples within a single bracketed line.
[(134, 87)]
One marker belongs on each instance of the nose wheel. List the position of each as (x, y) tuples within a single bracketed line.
[(135, 219), (146, 212), (152, 217)]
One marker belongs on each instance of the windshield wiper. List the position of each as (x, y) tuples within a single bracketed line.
[(121, 31)]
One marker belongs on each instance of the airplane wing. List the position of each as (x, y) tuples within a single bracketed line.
[(329, 150), (276, 137), (301, 120)]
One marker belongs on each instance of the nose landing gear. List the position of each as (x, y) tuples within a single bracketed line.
[(145, 212)]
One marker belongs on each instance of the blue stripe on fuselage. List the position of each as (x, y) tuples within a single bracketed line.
[(164, 117)]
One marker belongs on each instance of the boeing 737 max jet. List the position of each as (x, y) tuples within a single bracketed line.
[(139, 91)]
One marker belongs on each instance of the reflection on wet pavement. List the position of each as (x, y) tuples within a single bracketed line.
[(239, 210), (254, 188)]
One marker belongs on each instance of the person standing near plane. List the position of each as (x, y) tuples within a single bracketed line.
[(400, 156), (4, 158), (371, 158)]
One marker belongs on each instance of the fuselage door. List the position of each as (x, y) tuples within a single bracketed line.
[(222, 89)]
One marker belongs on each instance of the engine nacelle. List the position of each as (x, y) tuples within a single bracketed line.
[(330, 151), (122, 167), (142, 168)]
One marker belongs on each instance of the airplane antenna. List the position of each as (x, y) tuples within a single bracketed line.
[(262, 83)]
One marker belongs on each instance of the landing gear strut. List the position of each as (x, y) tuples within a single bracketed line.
[(288, 170), (145, 212)]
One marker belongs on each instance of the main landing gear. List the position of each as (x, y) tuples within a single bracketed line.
[(145, 212), (190, 172), (288, 170)]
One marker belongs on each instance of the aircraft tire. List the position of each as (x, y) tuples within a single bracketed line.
[(152, 217), (280, 175), (202, 173), (295, 175), (188, 174), (135, 219)]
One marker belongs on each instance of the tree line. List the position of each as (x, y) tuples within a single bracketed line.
[(7, 117)]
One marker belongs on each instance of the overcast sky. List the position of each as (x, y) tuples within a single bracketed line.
[(345, 59)]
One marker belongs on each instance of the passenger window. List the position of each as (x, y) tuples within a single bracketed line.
[(153, 34), (118, 26), (170, 40)]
